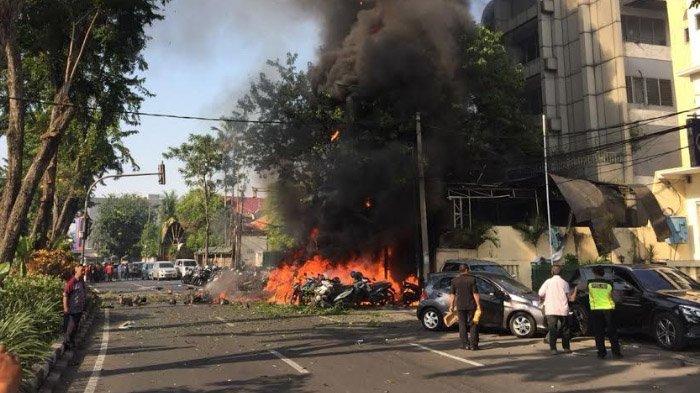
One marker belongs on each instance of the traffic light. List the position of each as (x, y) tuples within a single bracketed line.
[(693, 124), (161, 173)]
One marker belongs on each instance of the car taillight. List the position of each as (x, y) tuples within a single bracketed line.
[(423, 294)]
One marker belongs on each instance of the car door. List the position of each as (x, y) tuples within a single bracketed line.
[(629, 300), (491, 303)]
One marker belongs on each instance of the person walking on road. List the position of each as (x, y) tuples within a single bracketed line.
[(602, 315), (465, 300), (555, 293), (74, 294)]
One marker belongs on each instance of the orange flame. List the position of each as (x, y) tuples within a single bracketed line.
[(335, 136), (282, 279), (368, 203)]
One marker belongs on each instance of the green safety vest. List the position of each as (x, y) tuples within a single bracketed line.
[(600, 295)]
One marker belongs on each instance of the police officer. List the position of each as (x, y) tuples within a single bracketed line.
[(602, 318)]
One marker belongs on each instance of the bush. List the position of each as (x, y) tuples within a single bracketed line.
[(30, 316), (58, 263), (471, 238)]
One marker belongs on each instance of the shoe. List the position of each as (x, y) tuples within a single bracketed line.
[(553, 352), (602, 355), (474, 348), (568, 351), (617, 356)]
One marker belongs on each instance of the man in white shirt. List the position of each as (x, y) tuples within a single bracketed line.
[(555, 293)]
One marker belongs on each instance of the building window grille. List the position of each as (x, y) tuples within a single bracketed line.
[(649, 91), (644, 30)]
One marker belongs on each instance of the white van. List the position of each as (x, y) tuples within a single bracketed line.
[(185, 265)]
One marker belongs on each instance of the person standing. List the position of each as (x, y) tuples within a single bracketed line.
[(465, 300), (602, 315), (108, 271), (74, 294), (555, 293)]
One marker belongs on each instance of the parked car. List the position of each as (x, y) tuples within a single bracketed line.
[(505, 303), (657, 300), (146, 271), (135, 269), (184, 265), (475, 265), (164, 270)]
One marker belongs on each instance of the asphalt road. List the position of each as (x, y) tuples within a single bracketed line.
[(205, 348)]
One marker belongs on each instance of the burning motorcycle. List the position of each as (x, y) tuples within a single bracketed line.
[(410, 293)]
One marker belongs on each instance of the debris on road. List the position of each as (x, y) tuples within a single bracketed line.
[(126, 325)]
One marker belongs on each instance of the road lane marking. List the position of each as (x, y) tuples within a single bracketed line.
[(447, 355), (229, 324), (290, 362), (95, 376)]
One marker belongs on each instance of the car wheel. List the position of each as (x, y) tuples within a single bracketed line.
[(669, 331), (431, 319), (522, 325), (580, 314)]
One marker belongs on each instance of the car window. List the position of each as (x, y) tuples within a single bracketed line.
[(165, 265), (665, 279), (189, 263), (484, 287), (495, 269), (511, 286), (621, 278), (444, 283), (450, 267)]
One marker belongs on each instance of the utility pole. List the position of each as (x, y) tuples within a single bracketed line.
[(421, 198), (239, 232), (546, 185)]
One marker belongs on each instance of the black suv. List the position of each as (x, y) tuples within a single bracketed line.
[(652, 299)]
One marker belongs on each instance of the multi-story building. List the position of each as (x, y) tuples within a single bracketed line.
[(591, 66)]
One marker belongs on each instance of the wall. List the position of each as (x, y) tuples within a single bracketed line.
[(517, 255)]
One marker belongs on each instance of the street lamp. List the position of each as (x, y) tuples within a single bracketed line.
[(161, 180)]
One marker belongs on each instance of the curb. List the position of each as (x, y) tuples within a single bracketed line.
[(48, 373)]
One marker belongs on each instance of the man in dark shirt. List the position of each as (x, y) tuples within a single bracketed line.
[(465, 300), (73, 306)]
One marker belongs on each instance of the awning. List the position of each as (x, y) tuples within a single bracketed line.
[(603, 207)]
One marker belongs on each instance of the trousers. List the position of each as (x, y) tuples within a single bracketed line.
[(468, 331), (603, 323), (71, 323), (558, 326)]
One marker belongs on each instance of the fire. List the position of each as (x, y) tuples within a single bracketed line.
[(282, 279), (335, 136), (368, 203)]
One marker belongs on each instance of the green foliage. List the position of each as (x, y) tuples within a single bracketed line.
[(168, 206), (479, 234), (202, 157), (30, 317), (150, 240), (278, 232), (120, 224), (532, 230), (191, 213)]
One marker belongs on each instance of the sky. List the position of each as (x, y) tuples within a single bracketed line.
[(201, 58)]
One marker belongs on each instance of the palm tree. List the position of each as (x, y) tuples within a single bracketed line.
[(167, 208)]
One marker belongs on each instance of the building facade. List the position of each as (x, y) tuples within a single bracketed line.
[(591, 66)]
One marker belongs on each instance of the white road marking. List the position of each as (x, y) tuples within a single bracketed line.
[(95, 376), (447, 355), (290, 362), (229, 324)]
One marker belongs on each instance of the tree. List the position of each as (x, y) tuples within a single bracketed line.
[(192, 214), (203, 159), (347, 167), (168, 206), (120, 223), (150, 240), (68, 54), (695, 3)]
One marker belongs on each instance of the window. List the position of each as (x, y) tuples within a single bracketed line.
[(644, 30), (484, 287), (444, 283), (649, 91)]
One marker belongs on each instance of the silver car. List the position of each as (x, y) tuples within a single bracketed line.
[(163, 270), (505, 303)]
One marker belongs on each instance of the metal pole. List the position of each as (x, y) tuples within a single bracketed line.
[(546, 185), (422, 198), (87, 201)]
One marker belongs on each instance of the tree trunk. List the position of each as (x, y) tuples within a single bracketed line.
[(43, 218), (60, 117), (62, 223), (15, 114)]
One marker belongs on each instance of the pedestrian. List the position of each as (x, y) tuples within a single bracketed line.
[(465, 300), (602, 313), (74, 294), (108, 271), (10, 372), (126, 271), (555, 293)]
